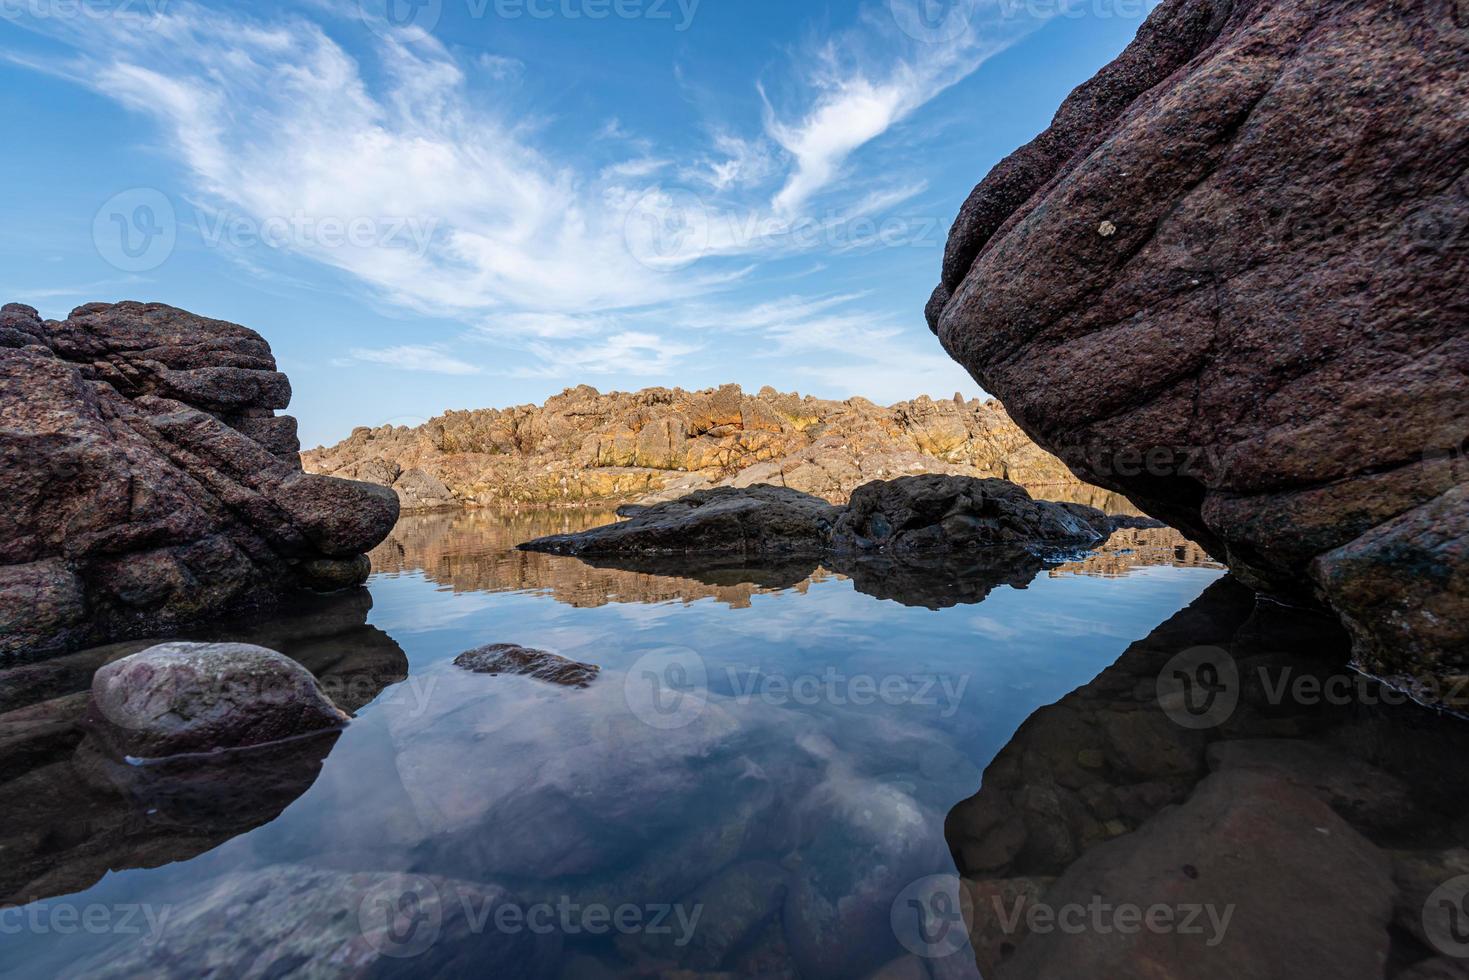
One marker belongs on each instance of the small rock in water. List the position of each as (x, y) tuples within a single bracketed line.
[(190, 698), (508, 658)]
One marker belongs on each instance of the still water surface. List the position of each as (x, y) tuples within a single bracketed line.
[(760, 772)]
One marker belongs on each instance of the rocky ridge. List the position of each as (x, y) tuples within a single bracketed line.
[(662, 443), (146, 481), (1231, 281)]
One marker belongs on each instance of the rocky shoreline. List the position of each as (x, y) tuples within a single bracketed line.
[(586, 448)]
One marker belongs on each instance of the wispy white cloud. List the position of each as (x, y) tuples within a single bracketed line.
[(411, 357), (853, 89), (629, 353), (530, 248)]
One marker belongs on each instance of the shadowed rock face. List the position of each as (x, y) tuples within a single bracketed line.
[(1320, 823), (1231, 281), (146, 481)]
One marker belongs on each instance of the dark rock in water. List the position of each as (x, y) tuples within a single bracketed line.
[(507, 658), (1231, 281), (933, 541), (71, 822), (914, 515), (146, 482), (752, 521), (935, 514), (192, 698), (1119, 792), (309, 922)]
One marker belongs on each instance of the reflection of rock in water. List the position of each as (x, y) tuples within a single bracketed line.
[(1130, 548), (929, 582), (474, 551), (1296, 810), (74, 814)]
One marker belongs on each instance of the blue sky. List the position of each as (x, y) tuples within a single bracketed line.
[(477, 203)]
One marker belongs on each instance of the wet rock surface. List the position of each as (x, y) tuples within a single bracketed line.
[(1231, 281), (508, 658), (146, 482), (179, 699), (1277, 799)]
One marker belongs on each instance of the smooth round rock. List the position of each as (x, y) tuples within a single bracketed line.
[(186, 698)]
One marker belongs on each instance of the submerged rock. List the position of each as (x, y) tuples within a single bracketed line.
[(146, 482), (507, 658), (1231, 281), (296, 920), (1282, 808), (195, 698)]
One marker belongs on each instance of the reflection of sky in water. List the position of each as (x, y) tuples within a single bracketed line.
[(551, 792)]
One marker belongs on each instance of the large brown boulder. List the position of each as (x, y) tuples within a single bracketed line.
[(147, 482), (1231, 281)]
